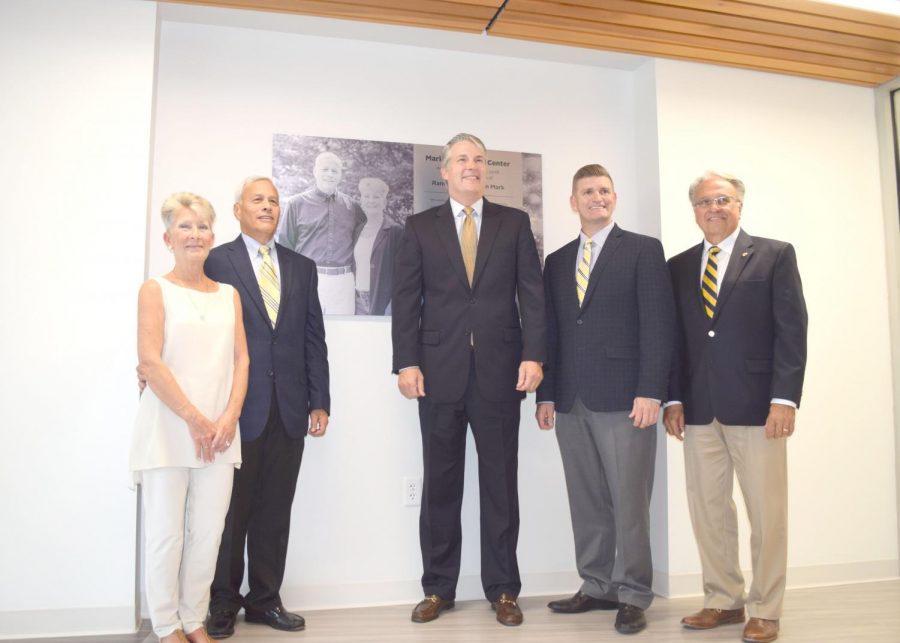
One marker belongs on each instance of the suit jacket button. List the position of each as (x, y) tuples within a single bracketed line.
[(271, 373), (711, 333), (472, 300), (579, 321)]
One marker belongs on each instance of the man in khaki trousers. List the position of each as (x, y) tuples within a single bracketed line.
[(734, 393)]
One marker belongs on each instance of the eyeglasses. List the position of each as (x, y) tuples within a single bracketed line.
[(719, 202)]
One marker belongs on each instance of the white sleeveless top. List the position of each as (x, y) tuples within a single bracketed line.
[(198, 347)]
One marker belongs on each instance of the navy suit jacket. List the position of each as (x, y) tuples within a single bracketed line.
[(754, 348), (290, 360), (435, 312), (618, 344)]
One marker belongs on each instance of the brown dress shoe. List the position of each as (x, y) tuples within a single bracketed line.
[(581, 602), (508, 612), (708, 618), (760, 630), (429, 608)]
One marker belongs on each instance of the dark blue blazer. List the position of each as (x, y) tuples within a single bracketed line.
[(290, 360), (435, 311), (618, 345), (754, 348)]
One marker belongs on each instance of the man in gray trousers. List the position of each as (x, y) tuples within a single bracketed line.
[(610, 329)]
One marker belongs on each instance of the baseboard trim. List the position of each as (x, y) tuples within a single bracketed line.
[(681, 585), (89, 621), (401, 592), (120, 620), (564, 583)]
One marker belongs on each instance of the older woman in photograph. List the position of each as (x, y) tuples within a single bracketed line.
[(193, 357), (374, 250)]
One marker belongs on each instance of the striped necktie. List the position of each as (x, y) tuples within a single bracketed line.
[(268, 284), (583, 274), (468, 241), (709, 286)]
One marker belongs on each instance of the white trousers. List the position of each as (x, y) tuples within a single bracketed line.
[(337, 294), (184, 513)]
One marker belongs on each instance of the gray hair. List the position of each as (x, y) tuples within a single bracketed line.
[(239, 194), (329, 156), (374, 184), (179, 200), (462, 136), (710, 175)]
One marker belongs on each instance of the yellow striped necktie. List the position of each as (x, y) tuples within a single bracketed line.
[(268, 284), (583, 273), (468, 241), (709, 285)]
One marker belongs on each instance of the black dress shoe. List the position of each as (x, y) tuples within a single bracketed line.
[(581, 603), (275, 617), (630, 619), (220, 624)]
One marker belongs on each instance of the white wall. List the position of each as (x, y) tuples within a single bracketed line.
[(655, 133), (74, 156), (889, 190), (807, 152), (222, 93), (647, 151), (76, 132)]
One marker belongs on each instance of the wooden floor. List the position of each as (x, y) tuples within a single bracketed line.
[(867, 612)]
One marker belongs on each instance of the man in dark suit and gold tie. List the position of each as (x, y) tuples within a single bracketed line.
[(610, 323), (469, 339), (287, 397), (734, 391)]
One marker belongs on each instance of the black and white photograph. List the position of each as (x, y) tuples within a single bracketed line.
[(533, 197), (344, 204)]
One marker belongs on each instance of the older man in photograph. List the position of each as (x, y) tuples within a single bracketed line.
[(323, 223), (469, 338), (733, 399)]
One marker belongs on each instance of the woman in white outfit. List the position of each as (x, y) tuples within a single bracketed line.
[(193, 357)]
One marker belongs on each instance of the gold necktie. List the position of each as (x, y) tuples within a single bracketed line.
[(268, 284), (468, 241), (583, 273), (709, 286)]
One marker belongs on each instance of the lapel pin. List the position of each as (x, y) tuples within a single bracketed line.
[(744, 254)]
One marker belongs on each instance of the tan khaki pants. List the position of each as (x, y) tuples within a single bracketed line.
[(713, 453)]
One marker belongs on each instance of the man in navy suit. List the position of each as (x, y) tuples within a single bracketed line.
[(287, 397), (734, 393), (610, 321), (469, 338)]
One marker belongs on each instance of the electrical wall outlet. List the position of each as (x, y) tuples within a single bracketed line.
[(412, 491)]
